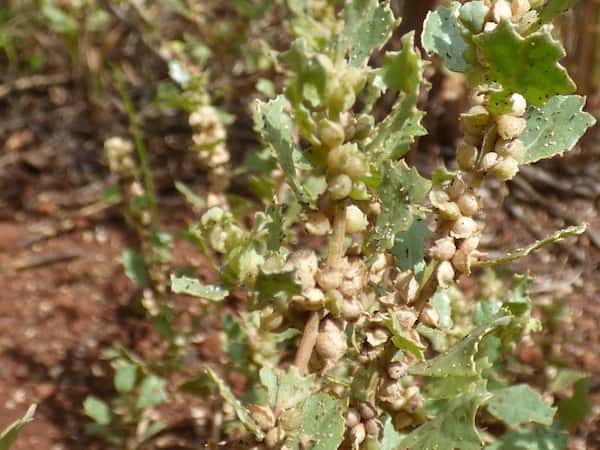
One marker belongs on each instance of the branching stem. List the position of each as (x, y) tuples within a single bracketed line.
[(307, 343)]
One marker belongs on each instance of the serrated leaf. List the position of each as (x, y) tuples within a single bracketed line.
[(191, 286), (521, 252), (409, 247), (135, 267), (538, 438), (10, 433), (519, 404), (401, 190), (368, 25), (276, 128), (554, 8), (279, 284), (573, 410), (527, 65), (151, 392), (323, 424), (286, 389), (98, 410), (443, 35), (459, 361), (242, 413), (554, 128), (452, 428)]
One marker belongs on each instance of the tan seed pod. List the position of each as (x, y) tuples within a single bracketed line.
[(356, 220), (352, 418), (317, 224), (429, 316), (475, 120), (273, 437), (305, 264), (501, 11), (331, 133), (331, 344), (336, 158), (457, 188), (510, 127), (355, 166), (358, 434), (449, 211), (443, 249), (506, 169), (329, 278), (466, 156), (462, 261), (372, 427), (463, 228), (377, 336), (262, 415), (468, 204), (445, 274), (366, 411), (340, 186), (514, 148), (520, 7), (407, 287), (351, 309), (397, 370), (470, 244), (488, 160)]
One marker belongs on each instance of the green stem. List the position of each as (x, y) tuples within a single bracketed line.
[(140, 147)]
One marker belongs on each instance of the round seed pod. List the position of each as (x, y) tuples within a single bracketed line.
[(445, 274), (449, 211), (470, 244), (501, 11), (331, 342), (517, 101), (329, 278), (355, 166), (468, 204), (317, 223), (457, 188), (356, 220), (352, 418), (340, 186), (429, 316), (377, 336), (462, 261), (488, 160), (463, 228), (372, 427), (466, 156), (520, 7), (331, 133), (443, 249), (505, 169), (358, 434), (366, 411), (336, 157), (351, 309), (407, 286), (514, 148), (510, 127), (364, 126), (397, 370), (475, 119), (305, 264)]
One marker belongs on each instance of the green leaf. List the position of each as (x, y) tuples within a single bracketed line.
[(459, 361), (125, 376), (323, 424), (276, 129), (135, 267), (391, 438), (409, 247), (443, 35), (279, 284), (152, 392), (368, 25), (154, 427), (286, 389), (554, 8), (194, 199), (443, 306), (402, 189), (519, 404), (9, 434), (538, 438), (573, 410), (554, 128), (242, 414), (193, 287), (452, 428), (98, 410), (521, 252), (473, 14), (526, 65)]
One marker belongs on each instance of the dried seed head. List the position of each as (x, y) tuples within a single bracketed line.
[(377, 336), (466, 156), (351, 309), (429, 316), (262, 415), (462, 260), (488, 160), (445, 274), (372, 427), (352, 418), (443, 249), (331, 342), (510, 127), (357, 434), (317, 223), (331, 133), (514, 148), (463, 228), (506, 169), (397, 370), (366, 411), (520, 7), (457, 188), (468, 204), (470, 244), (305, 264), (501, 11), (356, 220), (449, 211), (407, 286), (340, 186), (517, 102), (329, 278)]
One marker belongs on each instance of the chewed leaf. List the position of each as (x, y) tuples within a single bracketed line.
[(193, 287), (519, 253), (526, 65), (520, 404), (555, 128)]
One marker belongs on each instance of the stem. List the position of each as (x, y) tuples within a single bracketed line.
[(307, 343), (336, 240), (140, 148)]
